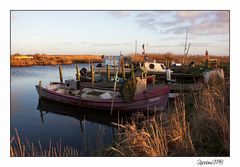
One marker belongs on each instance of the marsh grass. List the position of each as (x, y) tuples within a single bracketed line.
[(210, 122), (164, 135), (168, 57), (201, 129), (21, 148), (37, 59)]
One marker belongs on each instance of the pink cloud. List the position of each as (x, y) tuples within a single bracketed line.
[(120, 14), (191, 15)]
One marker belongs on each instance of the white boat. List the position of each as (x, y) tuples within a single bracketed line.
[(155, 67)]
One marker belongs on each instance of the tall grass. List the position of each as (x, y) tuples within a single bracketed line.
[(210, 121), (22, 148), (19, 147), (202, 130), (166, 135)]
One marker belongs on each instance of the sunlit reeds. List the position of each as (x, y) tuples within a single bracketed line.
[(17, 61), (202, 130), (22, 148), (198, 59)]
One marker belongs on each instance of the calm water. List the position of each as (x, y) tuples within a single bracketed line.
[(72, 126)]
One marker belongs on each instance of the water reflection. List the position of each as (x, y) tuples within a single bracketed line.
[(81, 114)]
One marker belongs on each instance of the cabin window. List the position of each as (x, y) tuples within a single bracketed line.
[(151, 66), (162, 66)]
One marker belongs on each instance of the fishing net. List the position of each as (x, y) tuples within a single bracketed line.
[(127, 90)]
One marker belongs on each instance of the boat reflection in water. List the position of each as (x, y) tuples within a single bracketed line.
[(97, 128), (97, 116)]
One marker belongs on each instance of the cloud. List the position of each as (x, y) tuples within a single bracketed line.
[(150, 14), (198, 22), (147, 23), (191, 15), (120, 14)]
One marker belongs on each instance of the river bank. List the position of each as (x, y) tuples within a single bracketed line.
[(31, 60)]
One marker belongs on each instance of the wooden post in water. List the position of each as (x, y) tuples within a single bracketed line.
[(92, 74), (119, 63), (60, 74), (108, 72), (123, 70), (78, 73), (115, 67), (110, 60)]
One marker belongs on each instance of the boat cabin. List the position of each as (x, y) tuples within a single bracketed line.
[(155, 67)]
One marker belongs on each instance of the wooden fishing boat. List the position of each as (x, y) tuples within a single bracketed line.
[(141, 98)]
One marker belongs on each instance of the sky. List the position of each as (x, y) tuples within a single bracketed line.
[(109, 32)]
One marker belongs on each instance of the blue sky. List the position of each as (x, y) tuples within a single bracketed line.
[(109, 32)]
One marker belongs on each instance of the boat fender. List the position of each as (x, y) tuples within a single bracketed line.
[(116, 79)]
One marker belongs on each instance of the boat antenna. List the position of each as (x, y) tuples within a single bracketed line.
[(185, 47), (143, 49)]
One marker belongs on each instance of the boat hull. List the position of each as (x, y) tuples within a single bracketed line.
[(148, 100)]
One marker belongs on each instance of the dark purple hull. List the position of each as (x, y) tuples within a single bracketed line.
[(157, 97)]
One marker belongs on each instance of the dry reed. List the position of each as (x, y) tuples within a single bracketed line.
[(21, 148), (37, 59), (206, 133), (210, 120)]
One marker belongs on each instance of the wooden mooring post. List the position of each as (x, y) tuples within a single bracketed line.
[(108, 72), (60, 74), (78, 73), (114, 65), (92, 74)]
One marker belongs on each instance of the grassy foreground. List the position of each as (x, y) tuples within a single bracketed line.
[(198, 127)]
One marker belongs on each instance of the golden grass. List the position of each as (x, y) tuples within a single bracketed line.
[(21, 148), (16, 61), (199, 131), (157, 137), (198, 59), (210, 121)]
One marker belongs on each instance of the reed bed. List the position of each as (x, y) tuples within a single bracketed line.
[(164, 135), (210, 122), (201, 130), (198, 59), (31, 60)]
